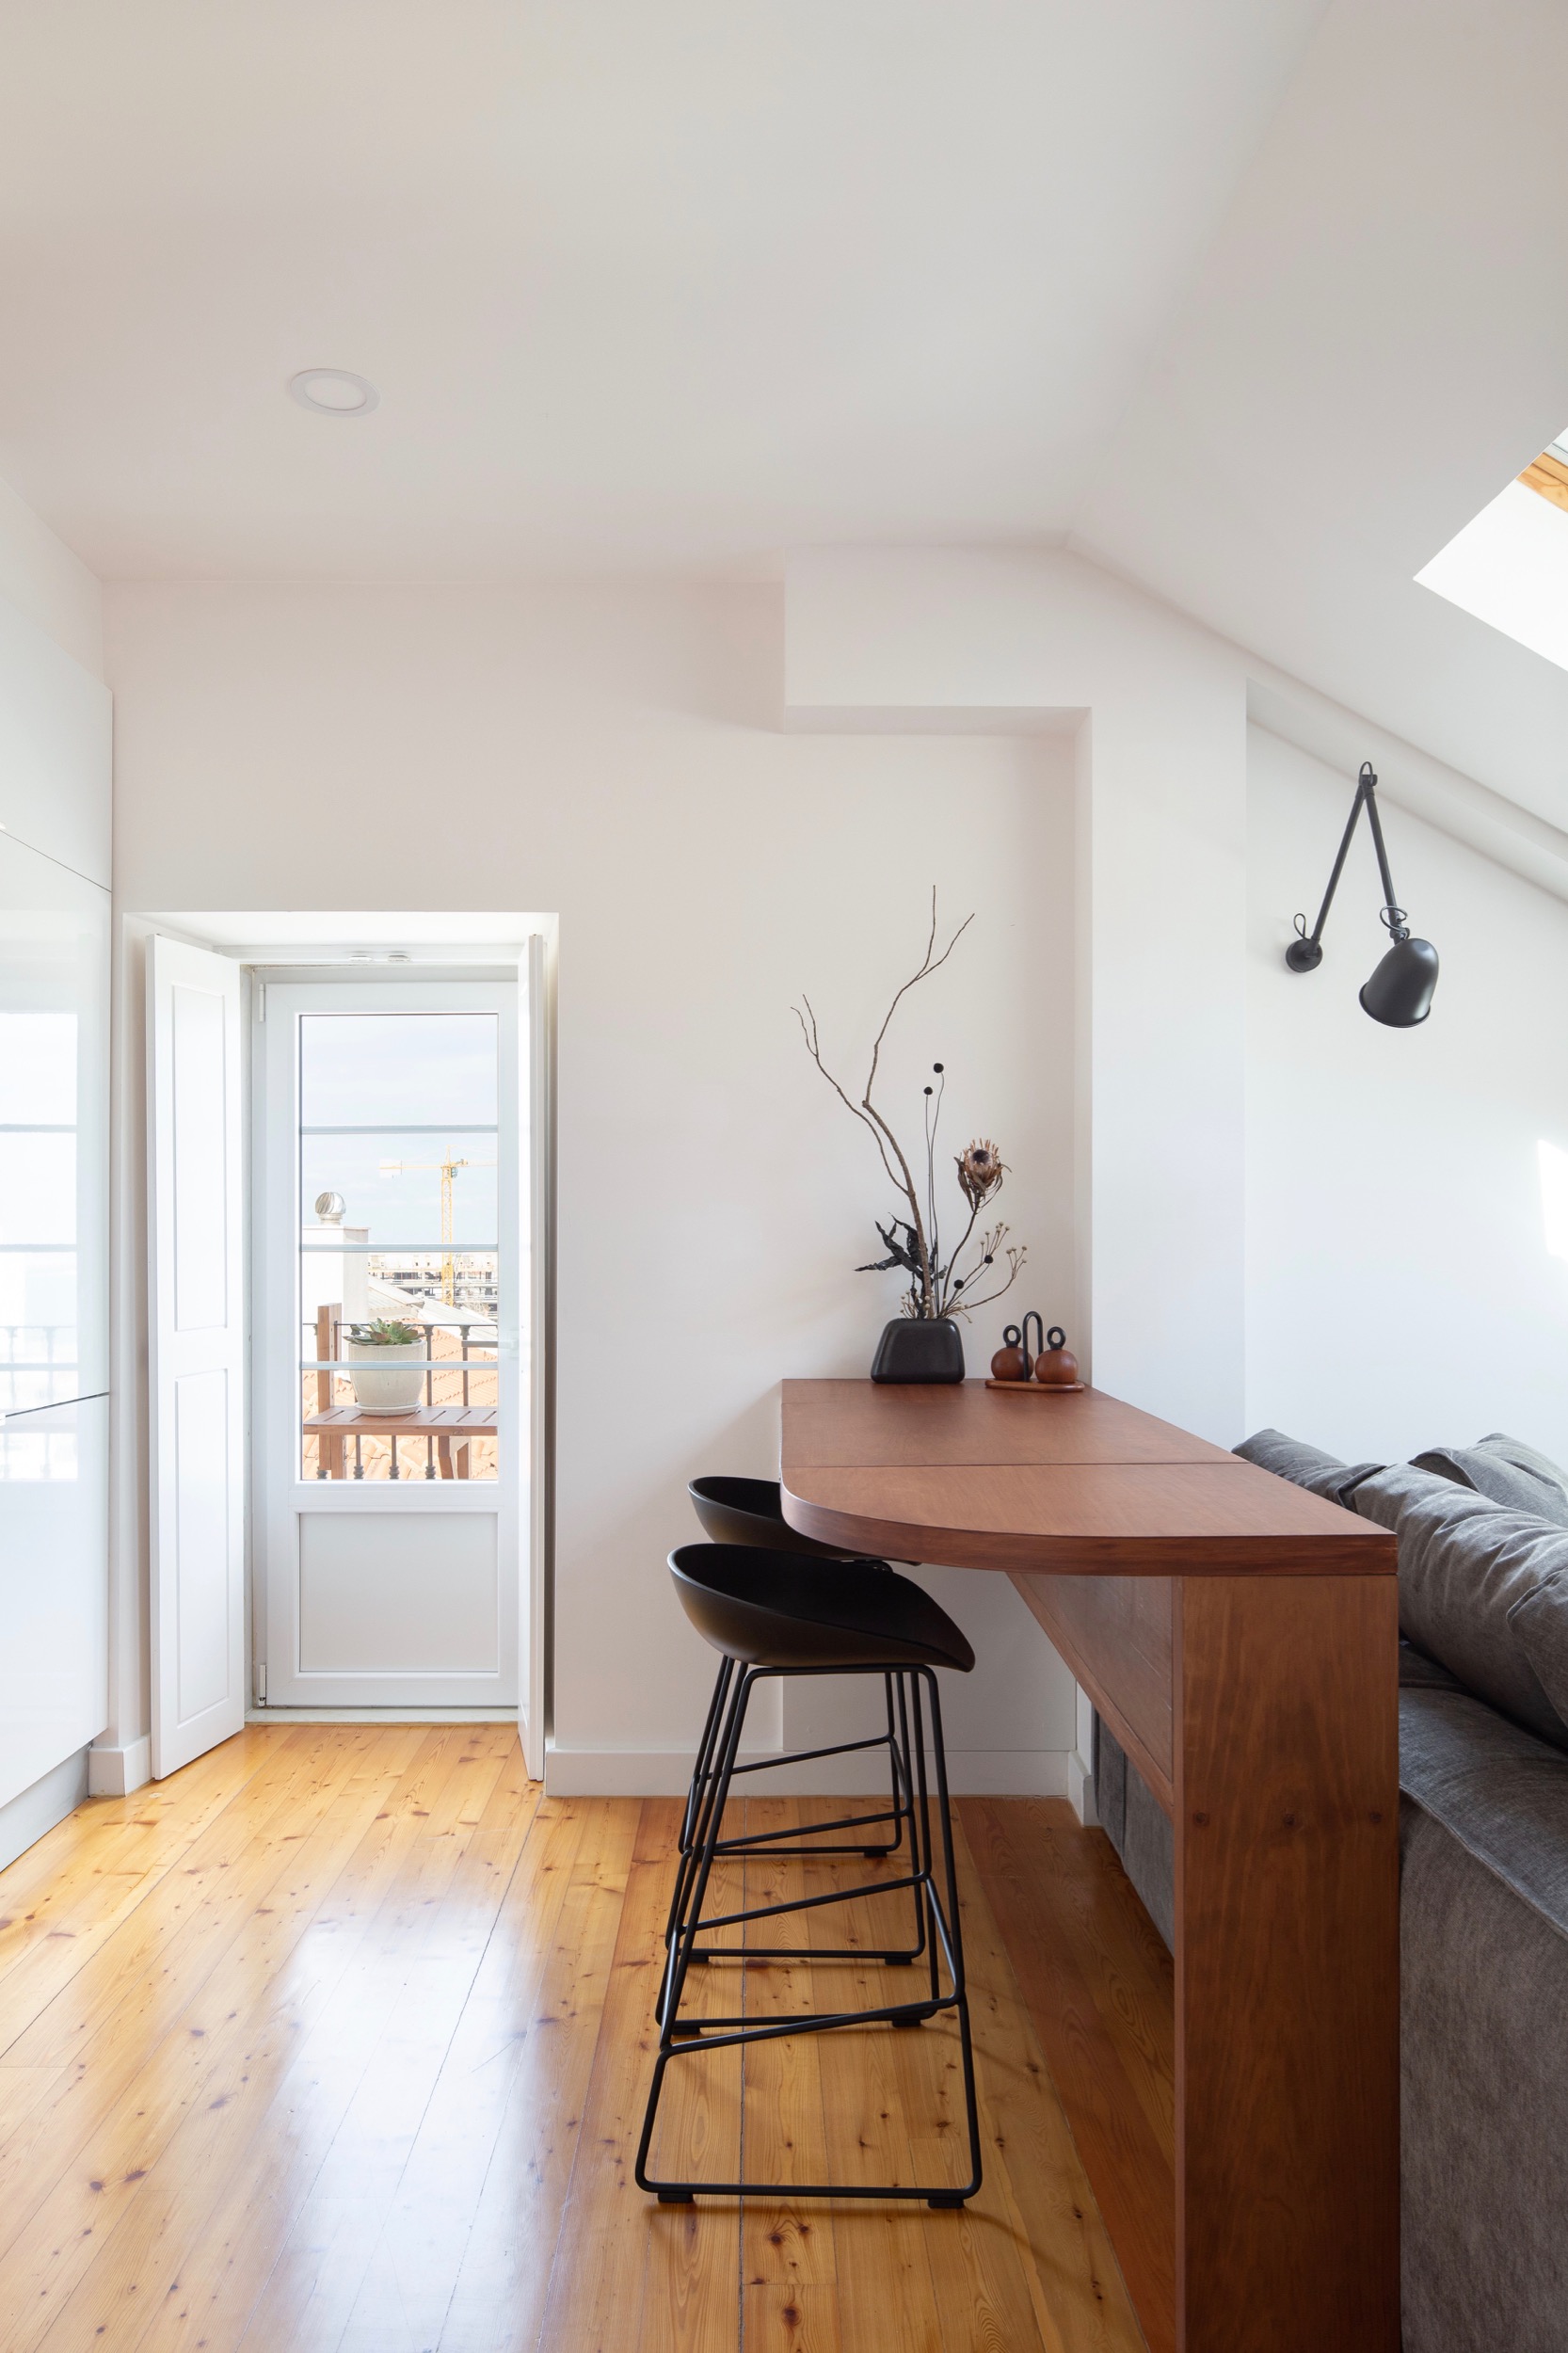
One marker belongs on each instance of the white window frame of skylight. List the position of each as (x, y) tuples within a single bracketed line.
[(1509, 567)]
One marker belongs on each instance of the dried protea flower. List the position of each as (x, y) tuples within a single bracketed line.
[(980, 1172)]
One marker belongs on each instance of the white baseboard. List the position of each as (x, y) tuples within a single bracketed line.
[(1081, 1791), (36, 1809), (115, 1772), (380, 1716), (570, 1772)]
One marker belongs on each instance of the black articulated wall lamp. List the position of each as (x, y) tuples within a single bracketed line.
[(1400, 992)]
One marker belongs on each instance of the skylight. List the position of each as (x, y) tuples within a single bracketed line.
[(1510, 566)]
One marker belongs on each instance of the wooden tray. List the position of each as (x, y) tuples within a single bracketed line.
[(1041, 1388)]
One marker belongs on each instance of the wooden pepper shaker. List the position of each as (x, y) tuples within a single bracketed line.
[(1056, 1368)]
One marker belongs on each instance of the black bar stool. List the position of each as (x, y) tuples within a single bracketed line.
[(750, 1512), (773, 1613)]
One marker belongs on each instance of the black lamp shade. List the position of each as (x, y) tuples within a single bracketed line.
[(1400, 992)]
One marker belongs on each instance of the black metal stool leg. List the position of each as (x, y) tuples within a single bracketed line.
[(937, 1913), (711, 1796), (680, 1955), (915, 1851), (896, 1812), (896, 1767), (705, 1750), (953, 1940), (923, 1817), (897, 1740)]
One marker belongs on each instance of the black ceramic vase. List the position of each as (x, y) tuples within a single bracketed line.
[(920, 1347)]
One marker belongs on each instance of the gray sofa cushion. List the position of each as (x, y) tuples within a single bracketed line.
[(1306, 1466), (1528, 1458), (1483, 2157), (1540, 1619), (1417, 1673), (1506, 1471), (1484, 1937), (1482, 1591), (1382, 1495), (1495, 1788)]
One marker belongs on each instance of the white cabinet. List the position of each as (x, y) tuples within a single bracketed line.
[(56, 724), (54, 1588), (54, 1313)]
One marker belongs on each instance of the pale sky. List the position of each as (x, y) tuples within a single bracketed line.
[(436, 1070)]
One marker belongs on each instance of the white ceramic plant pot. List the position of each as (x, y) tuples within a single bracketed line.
[(382, 1384)]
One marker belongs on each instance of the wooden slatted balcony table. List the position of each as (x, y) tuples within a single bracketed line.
[(453, 1427), (1240, 1637)]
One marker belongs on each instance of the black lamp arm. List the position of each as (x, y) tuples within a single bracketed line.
[(1393, 914), (1305, 951)]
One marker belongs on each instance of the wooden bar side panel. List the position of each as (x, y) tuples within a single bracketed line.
[(1287, 1983), (1115, 1634)]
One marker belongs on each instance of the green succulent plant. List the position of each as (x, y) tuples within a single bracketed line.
[(382, 1334)]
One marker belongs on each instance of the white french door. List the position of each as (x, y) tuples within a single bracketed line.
[(391, 1310)]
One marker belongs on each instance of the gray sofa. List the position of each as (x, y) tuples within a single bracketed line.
[(1483, 1843)]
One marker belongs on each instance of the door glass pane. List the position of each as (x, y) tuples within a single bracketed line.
[(399, 1271)]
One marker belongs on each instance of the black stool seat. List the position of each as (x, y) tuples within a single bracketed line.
[(751, 1512), (746, 1515), (791, 1611)]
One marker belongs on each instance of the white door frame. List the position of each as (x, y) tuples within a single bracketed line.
[(536, 1626), (195, 1352), (281, 1495)]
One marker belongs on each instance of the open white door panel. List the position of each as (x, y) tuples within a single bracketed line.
[(533, 1619), (196, 1317)]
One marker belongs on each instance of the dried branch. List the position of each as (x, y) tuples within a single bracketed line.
[(1016, 1258), (953, 1262), (813, 1049), (932, 1285), (928, 965)]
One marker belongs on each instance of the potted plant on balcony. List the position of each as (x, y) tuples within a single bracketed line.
[(945, 1281), (384, 1380)]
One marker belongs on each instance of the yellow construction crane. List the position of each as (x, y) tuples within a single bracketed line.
[(448, 1176)]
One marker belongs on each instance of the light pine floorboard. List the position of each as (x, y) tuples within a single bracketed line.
[(338, 2041)]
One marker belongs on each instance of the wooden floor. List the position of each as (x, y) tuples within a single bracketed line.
[(341, 2038)]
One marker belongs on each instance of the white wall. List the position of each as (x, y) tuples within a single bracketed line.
[(1399, 1290), (615, 757), (977, 639), (726, 804), (44, 580)]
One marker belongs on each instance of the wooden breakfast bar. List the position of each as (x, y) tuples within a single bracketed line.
[(1240, 1637)]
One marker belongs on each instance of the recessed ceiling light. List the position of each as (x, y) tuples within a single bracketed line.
[(334, 391)]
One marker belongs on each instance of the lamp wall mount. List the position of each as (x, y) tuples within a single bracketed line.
[(1399, 991)]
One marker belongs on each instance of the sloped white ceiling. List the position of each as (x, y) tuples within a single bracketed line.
[(674, 284), (1255, 301), (1376, 345)]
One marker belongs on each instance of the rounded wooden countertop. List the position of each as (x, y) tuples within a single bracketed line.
[(1082, 1484)]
